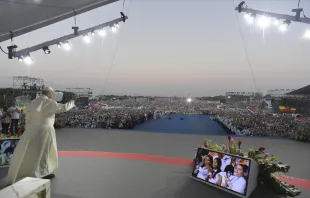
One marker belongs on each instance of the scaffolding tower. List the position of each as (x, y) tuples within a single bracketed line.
[(26, 88)]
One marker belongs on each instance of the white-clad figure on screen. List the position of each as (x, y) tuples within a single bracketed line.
[(36, 152)]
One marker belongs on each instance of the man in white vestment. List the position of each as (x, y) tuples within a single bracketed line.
[(36, 152)]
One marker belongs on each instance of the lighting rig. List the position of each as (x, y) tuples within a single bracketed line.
[(265, 19), (63, 42)]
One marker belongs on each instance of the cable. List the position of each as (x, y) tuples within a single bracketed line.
[(124, 1), (3, 50), (115, 53), (246, 50)]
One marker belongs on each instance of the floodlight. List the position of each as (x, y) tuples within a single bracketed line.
[(20, 59), (58, 45), (28, 60), (249, 18), (93, 33), (102, 32), (276, 22), (263, 22), (116, 25), (46, 50), (189, 100), (86, 38), (66, 45), (307, 34)]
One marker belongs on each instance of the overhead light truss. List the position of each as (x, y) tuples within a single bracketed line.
[(267, 17), (297, 18), (64, 39)]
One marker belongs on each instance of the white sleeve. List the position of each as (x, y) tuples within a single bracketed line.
[(54, 107), (65, 107), (239, 186), (203, 171)]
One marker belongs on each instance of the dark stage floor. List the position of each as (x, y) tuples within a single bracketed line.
[(115, 174), (92, 177)]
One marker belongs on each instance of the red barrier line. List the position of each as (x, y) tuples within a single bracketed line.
[(129, 156), (300, 183)]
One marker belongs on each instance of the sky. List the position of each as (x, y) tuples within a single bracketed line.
[(171, 48)]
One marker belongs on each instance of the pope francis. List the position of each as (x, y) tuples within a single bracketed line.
[(36, 152)]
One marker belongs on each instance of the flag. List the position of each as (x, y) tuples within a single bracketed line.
[(251, 110)]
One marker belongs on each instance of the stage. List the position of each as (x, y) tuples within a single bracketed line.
[(120, 163)]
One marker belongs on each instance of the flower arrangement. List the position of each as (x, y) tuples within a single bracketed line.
[(2, 136), (271, 170)]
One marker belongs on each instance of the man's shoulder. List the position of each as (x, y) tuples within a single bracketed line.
[(43, 100)]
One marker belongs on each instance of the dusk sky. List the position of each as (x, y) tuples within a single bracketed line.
[(171, 48)]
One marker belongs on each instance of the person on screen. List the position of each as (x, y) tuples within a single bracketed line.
[(247, 163), (234, 162), (226, 160), (237, 183), (205, 168), (215, 177), (197, 162), (227, 174)]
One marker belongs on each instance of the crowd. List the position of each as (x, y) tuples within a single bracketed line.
[(12, 119), (261, 123), (126, 114)]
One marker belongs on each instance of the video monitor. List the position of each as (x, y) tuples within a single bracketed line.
[(7, 147), (223, 170)]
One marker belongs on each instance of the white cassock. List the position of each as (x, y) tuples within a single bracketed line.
[(36, 152)]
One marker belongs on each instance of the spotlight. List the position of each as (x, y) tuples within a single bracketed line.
[(284, 26), (46, 50), (28, 60), (307, 34), (113, 29), (58, 45), (276, 22), (86, 38), (102, 32), (189, 100), (263, 22), (249, 18), (66, 45), (20, 59), (93, 33), (116, 25)]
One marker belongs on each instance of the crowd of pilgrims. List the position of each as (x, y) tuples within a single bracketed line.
[(125, 114), (222, 170), (263, 123)]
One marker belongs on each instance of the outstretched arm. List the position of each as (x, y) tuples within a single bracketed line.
[(65, 107), (54, 107)]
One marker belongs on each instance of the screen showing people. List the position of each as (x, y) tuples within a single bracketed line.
[(7, 147), (223, 170)]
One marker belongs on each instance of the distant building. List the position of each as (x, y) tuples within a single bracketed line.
[(248, 94), (278, 92), (298, 99), (305, 91)]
